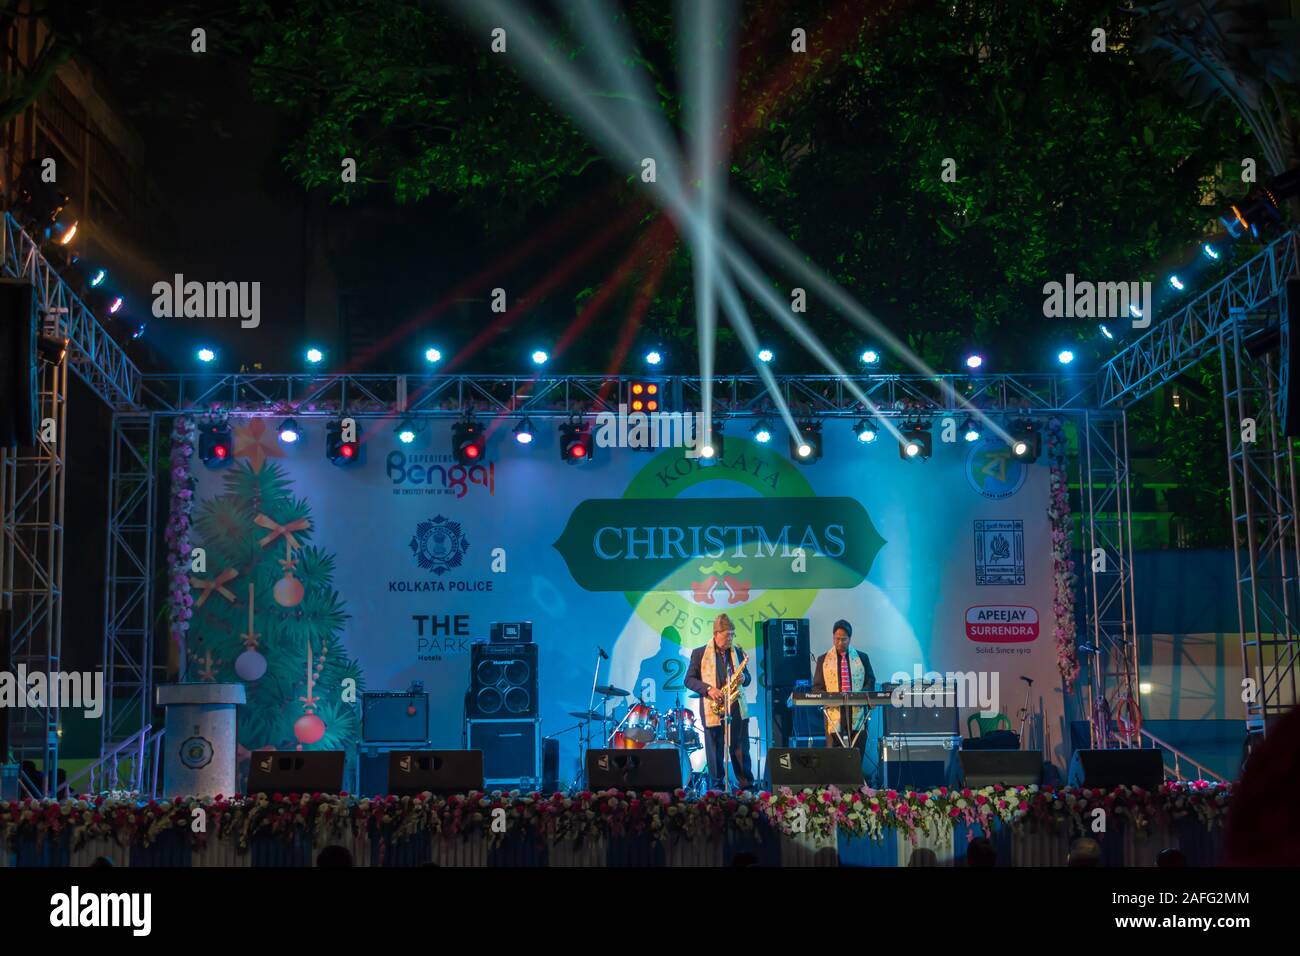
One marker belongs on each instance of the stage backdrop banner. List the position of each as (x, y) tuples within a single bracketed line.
[(381, 572)]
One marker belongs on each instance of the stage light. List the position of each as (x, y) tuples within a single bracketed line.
[(970, 431), (68, 234), (289, 431), (215, 444), (707, 451), (1026, 441), (1210, 252), (917, 441), (405, 432), (575, 442), (762, 433), (524, 432), (1176, 282), (653, 358), (138, 331), (1065, 356), (115, 305), (974, 361), (98, 278), (806, 443), (1144, 688), (205, 355), (644, 396), (336, 449), (766, 355), (540, 357), (468, 443), (865, 431), (1108, 333), (870, 357), (432, 356), (314, 355)]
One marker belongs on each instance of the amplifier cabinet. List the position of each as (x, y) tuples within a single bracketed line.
[(512, 750), (394, 718)]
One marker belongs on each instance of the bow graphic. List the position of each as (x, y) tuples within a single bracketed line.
[(281, 530), (217, 584)]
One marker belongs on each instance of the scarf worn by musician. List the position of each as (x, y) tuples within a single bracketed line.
[(857, 679)]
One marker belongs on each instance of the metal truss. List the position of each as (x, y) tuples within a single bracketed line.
[(31, 566), (128, 586), (560, 396), (93, 354), (1193, 332), (1109, 599), (1265, 545)]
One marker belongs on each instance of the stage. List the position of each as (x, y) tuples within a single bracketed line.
[(812, 827)]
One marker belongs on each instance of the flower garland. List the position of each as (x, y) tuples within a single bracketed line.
[(1063, 576), (177, 533), (587, 815)]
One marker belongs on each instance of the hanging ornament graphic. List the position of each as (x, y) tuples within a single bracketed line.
[(288, 591), (250, 665), (309, 728)]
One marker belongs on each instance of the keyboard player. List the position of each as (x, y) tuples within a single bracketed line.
[(839, 670)]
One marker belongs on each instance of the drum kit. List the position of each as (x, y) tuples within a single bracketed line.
[(642, 727)]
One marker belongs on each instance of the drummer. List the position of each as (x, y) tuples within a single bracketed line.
[(711, 666)]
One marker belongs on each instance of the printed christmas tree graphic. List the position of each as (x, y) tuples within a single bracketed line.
[(267, 614)]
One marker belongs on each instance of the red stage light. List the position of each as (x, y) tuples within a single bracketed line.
[(636, 389), (220, 451), (636, 406), (347, 450), (652, 388), (578, 451), (471, 451)]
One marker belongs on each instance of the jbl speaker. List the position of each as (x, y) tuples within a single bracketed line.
[(814, 767), (438, 771), (651, 769), (296, 771), (394, 718), (511, 749), (1115, 768), (786, 654), (503, 681), (17, 364), (985, 768)]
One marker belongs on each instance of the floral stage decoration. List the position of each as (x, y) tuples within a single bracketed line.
[(862, 813)]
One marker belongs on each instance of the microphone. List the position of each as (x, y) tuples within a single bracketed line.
[(1027, 680), (602, 653)]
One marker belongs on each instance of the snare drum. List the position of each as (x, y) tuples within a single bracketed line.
[(642, 723)]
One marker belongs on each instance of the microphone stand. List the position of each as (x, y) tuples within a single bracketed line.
[(1024, 711)]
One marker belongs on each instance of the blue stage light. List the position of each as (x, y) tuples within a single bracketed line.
[(1176, 282), (762, 433), (870, 357), (405, 433), (205, 354), (432, 356), (1065, 356), (970, 431), (524, 432), (289, 431), (138, 331), (540, 357), (1210, 251), (98, 278), (315, 356), (974, 361), (653, 358), (865, 431), (115, 306), (1108, 333), (766, 355)]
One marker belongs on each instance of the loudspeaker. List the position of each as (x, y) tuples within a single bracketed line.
[(503, 681), (296, 771), (511, 749), (650, 769), (919, 715), (787, 660), (1114, 768), (984, 768), (814, 766), (18, 375), (550, 765), (1289, 399), (394, 718), (439, 771)]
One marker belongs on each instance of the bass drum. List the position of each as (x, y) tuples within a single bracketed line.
[(622, 741), (683, 759)]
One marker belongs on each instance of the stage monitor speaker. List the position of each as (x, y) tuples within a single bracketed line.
[(786, 654), (1116, 768), (985, 768), (18, 371), (412, 772), (651, 769), (394, 718), (502, 681), (296, 771), (550, 765), (918, 713), (511, 749), (1289, 398), (814, 766)]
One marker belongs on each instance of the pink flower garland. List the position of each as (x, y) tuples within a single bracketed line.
[(177, 534), (1063, 577)]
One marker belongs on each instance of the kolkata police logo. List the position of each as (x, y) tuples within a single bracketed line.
[(439, 545), (196, 752)]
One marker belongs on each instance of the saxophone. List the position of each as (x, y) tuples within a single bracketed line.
[(732, 689)]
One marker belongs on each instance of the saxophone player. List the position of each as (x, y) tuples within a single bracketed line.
[(713, 667)]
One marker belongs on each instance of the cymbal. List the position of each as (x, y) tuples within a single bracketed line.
[(610, 691), (586, 715)]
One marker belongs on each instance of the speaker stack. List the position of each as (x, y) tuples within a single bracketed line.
[(502, 714)]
